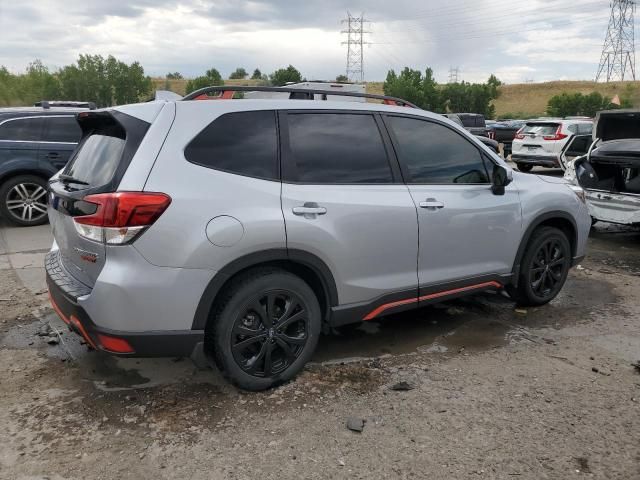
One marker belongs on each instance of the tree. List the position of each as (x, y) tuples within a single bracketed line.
[(174, 76), (210, 78), (571, 104), (257, 74), (342, 78), (410, 85), (38, 84), (285, 75), (494, 83), (239, 74)]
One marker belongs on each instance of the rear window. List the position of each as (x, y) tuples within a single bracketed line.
[(97, 159), (22, 129), (244, 143), (540, 128), (472, 120)]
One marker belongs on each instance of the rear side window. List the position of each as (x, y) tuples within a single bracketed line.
[(245, 143), (585, 128), (435, 154), (540, 129), (336, 148), (61, 129), (22, 129)]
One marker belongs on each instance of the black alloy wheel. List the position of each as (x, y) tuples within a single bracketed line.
[(270, 333), (547, 268)]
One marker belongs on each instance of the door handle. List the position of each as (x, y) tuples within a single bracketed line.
[(53, 155), (310, 209), (431, 203)]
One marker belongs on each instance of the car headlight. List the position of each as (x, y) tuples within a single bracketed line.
[(580, 193)]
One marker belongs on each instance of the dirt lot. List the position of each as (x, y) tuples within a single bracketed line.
[(496, 392)]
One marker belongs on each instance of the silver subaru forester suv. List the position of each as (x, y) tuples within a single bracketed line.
[(248, 227)]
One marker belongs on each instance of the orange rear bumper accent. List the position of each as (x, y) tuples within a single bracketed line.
[(73, 321)]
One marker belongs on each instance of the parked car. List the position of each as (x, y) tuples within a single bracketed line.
[(35, 142), (248, 227), (609, 169), (504, 133), (473, 122), (539, 142), (489, 142)]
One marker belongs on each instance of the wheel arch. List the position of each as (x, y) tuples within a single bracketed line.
[(558, 219), (301, 263)]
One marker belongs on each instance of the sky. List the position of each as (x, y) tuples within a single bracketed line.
[(518, 41)]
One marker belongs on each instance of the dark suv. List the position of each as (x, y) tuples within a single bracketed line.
[(35, 142)]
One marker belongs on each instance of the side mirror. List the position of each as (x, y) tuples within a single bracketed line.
[(500, 178)]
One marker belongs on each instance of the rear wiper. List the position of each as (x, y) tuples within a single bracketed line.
[(70, 179)]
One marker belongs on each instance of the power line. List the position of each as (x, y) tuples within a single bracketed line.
[(355, 42), (619, 50)]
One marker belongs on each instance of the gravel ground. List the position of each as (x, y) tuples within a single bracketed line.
[(490, 391)]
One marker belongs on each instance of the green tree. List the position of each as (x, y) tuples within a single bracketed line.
[(342, 78), (410, 85), (257, 74), (174, 76), (239, 74), (283, 76), (211, 78), (493, 84), (468, 97), (38, 84)]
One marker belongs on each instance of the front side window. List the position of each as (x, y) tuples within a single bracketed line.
[(244, 143), (434, 154), (22, 129), (342, 148), (62, 129)]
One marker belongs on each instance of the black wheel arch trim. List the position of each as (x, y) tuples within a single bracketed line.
[(301, 257), (537, 221)]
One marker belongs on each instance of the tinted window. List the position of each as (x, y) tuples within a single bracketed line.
[(585, 128), (541, 129), (337, 148), (245, 143), (24, 129), (573, 128), (62, 129), (433, 153), (97, 159)]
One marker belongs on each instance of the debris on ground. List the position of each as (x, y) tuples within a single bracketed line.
[(521, 311), (636, 366), (402, 386), (44, 330), (600, 371), (355, 424)]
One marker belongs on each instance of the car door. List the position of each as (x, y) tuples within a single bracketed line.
[(60, 137), (344, 202), (466, 232)]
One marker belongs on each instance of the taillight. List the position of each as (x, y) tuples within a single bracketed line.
[(120, 216), (519, 134), (557, 135)]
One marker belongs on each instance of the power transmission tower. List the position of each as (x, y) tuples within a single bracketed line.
[(453, 74), (618, 58), (355, 46)]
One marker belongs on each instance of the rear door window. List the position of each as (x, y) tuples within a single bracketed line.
[(62, 129), (327, 148), (435, 154), (22, 129), (585, 128), (244, 143)]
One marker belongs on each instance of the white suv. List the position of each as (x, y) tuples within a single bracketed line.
[(540, 142)]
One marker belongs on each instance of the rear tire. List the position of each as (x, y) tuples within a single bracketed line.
[(23, 200), (544, 268), (264, 328), (524, 167)]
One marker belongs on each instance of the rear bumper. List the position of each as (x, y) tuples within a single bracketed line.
[(62, 292), (544, 161)]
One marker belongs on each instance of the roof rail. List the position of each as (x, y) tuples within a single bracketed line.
[(298, 91), (46, 104)]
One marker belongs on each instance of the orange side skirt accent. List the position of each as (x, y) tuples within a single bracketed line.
[(373, 314)]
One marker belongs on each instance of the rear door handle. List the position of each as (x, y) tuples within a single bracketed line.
[(53, 155), (431, 203), (309, 208)]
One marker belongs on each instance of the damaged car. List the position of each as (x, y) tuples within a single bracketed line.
[(608, 167)]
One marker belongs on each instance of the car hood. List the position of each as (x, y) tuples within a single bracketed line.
[(617, 125), (549, 179)]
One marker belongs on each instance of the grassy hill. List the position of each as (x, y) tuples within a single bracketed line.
[(522, 100)]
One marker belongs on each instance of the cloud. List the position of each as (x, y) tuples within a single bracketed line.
[(537, 39)]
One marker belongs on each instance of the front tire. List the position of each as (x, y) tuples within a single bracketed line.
[(524, 167), (544, 268), (23, 200), (264, 328)]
